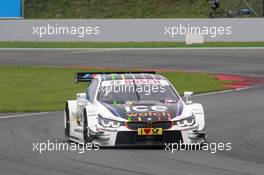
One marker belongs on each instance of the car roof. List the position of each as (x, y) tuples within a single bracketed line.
[(106, 77)]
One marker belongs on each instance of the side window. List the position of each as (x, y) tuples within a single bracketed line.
[(91, 90)]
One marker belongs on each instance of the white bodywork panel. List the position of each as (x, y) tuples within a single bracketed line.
[(198, 112)]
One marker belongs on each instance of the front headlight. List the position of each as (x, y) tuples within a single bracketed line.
[(185, 122), (109, 123), (105, 122)]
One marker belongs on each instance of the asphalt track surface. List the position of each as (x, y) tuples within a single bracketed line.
[(235, 117)]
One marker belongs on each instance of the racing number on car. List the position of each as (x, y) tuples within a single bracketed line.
[(149, 131)]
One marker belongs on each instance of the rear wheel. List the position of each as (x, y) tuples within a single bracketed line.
[(67, 128)]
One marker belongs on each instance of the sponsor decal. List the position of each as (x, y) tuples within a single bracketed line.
[(147, 111), (146, 108), (128, 82), (149, 131), (78, 130), (89, 76), (149, 114), (142, 81)]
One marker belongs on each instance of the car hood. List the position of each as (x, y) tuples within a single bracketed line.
[(146, 112)]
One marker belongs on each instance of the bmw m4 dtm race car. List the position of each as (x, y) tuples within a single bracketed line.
[(134, 108)]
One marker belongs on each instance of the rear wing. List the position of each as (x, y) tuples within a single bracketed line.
[(88, 76)]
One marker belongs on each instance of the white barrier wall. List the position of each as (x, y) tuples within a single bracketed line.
[(251, 29)]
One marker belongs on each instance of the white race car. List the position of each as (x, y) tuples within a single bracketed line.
[(134, 108)]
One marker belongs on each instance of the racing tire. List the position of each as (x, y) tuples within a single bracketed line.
[(86, 137), (67, 128)]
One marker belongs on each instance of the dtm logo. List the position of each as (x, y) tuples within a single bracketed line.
[(146, 108)]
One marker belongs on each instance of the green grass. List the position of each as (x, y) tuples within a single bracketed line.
[(28, 44), (195, 82), (115, 8), (32, 89), (36, 9)]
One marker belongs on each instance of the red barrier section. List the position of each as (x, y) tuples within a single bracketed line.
[(238, 81)]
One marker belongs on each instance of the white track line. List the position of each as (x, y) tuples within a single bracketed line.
[(23, 115), (93, 50), (226, 91), (116, 49), (59, 49)]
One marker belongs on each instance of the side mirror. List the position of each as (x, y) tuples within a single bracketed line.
[(187, 96), (81, 99)]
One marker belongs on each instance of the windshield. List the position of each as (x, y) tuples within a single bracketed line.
[(121, 93)]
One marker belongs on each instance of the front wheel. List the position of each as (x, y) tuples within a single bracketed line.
[(86, 137), (67, 118)]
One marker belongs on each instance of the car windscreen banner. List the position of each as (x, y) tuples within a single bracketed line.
[(10, 8)]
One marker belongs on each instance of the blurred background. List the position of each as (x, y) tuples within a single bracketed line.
[(87, 9)]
